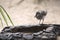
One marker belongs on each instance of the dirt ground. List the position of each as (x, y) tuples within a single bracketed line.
[(23, 13)]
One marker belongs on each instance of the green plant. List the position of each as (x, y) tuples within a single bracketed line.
[(2, 11)]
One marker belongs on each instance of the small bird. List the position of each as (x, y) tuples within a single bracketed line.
[(40, 15)]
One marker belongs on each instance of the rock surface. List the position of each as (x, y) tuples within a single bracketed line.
[(44, 34)]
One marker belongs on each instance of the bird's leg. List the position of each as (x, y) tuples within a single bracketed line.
[(42, 20), (39, 22)]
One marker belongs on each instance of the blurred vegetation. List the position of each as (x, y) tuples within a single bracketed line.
[(37, 1), (20, 2), (5, 15)]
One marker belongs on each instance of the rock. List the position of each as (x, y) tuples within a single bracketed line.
[(28, 36), (43, 32)]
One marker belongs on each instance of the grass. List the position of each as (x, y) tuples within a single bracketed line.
[(2, 11)]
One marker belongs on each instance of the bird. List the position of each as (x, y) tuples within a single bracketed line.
[(40, 15)]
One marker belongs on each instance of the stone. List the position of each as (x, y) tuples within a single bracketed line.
[(40, 32)]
